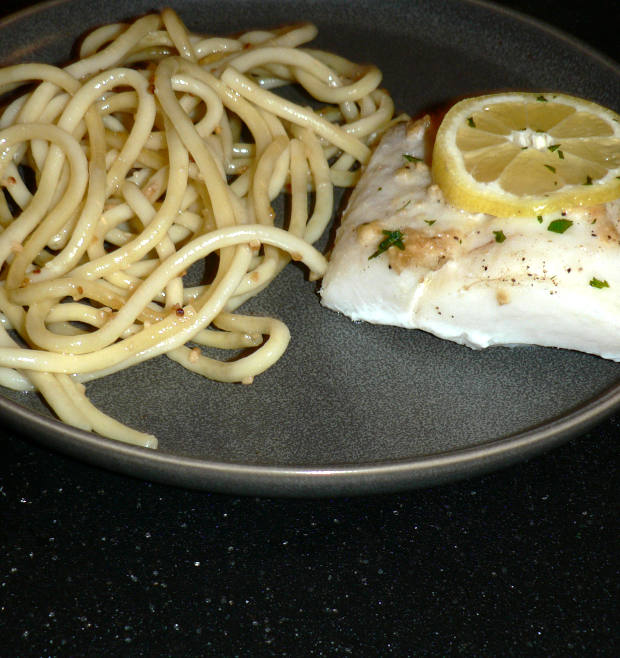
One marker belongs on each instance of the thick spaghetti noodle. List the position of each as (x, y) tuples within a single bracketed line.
[(153, 150)]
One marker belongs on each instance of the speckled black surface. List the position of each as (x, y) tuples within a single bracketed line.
[(519, 562)]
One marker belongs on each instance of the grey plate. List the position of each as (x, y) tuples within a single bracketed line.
[(351, 408)]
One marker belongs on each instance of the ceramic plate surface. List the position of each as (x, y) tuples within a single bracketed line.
[(350, 408)]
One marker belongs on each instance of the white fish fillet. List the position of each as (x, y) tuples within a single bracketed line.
[(472, 278)]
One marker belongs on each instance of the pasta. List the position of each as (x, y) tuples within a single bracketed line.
[(158, 148)]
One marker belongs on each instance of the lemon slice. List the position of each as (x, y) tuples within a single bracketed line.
[(515, 154)]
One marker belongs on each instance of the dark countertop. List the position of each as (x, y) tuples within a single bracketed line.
[(518, 562)]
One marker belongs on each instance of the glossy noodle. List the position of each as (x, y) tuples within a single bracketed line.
[(156, 149)]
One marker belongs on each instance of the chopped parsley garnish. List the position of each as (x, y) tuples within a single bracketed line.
[(392, 239), (588, 180), (411, 158), (539, 218), (404, 205), (559, 225), (550, 168), (556, 147), (542, 99), (499, 236), (430, 222), (597, 283), (470, 122)]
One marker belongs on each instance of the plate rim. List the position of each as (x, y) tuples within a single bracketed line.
[(312, 480)]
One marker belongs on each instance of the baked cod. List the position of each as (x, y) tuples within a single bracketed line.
[(403, 256)]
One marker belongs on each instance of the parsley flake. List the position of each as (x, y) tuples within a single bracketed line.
[(539, 218), (542, 99), (392, 239), (470, 122), (499, 236), (430, 222), (550, 168), (559, 225), (411, 158), (588, 180), (597, 283), (554, 147)]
